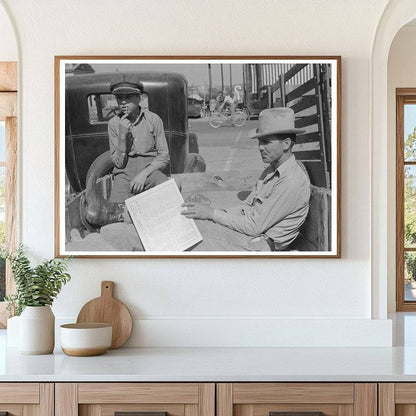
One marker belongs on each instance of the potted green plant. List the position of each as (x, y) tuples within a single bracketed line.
[(36, 289)]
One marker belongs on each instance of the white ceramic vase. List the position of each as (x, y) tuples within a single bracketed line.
[(37, 330)]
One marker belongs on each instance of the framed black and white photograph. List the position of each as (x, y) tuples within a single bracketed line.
[(197, 156)]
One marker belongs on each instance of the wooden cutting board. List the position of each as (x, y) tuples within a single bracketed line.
[(107, 309)]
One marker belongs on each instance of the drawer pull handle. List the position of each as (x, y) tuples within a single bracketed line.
[(139, 414), (296, 414)]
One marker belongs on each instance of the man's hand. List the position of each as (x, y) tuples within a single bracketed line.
[(198, 211), (124, 126), (137, 183)]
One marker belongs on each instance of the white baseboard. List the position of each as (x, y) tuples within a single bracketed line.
[(258, 332)]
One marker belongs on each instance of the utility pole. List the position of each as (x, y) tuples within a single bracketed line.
[(210, 81), (231, 81), (244, 83), (222, 78)]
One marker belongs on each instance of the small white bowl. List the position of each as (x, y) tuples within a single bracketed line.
[(83, 340)]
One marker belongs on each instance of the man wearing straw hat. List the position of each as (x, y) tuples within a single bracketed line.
[(271, 216)]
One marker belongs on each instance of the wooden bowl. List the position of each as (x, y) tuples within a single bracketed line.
[(84, 340)]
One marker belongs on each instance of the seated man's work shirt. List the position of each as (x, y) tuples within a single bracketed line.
[(277, 206), (147, 138)]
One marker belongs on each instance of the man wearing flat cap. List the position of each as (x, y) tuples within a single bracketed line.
[(271, 216), (138, 149)]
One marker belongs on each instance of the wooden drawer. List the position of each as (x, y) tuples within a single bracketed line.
[(332, 399), (397, 399), (104, 399), (27, 399)]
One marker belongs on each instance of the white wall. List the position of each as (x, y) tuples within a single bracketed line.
[(273, 300), (401, 74), (8, 46)]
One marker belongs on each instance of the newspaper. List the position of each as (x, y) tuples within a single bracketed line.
[(156, 214)]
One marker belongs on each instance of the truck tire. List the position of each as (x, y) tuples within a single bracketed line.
[(194, 163), (193, 143), (101, 166)]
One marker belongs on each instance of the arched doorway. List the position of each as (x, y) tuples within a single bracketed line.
[(401, 123), (396, 14)]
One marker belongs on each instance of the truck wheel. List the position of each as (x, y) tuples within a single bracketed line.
[(193, 143), (194, 163), (101, 166)]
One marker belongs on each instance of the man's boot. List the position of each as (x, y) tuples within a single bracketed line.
[(99, 211)]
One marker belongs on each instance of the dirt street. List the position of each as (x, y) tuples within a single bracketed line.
[(227, 148)]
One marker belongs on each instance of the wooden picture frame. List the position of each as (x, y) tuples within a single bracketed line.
[(210, 155)]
